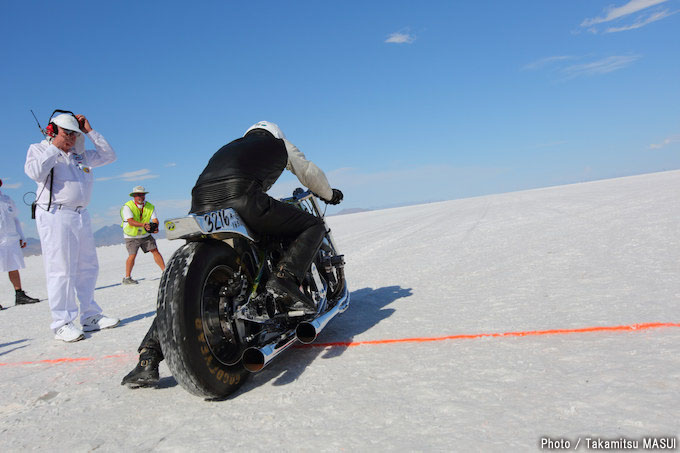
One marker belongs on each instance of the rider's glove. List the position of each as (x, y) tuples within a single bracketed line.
[(336, 198)]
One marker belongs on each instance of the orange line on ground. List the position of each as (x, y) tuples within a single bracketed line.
[(632, 327), (651, 325), (63, 360)]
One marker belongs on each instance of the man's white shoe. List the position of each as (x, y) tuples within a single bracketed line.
[(99, 322), (69, 333)]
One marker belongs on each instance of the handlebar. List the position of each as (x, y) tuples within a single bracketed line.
[(299, 195)]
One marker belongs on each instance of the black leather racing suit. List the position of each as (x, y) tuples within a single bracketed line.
[(238, 176)]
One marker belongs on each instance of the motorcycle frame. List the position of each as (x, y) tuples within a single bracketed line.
[(195, 227)]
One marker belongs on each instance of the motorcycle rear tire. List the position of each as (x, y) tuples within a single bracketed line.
[(180, 325)]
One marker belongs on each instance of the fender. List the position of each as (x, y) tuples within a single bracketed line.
[(220, 224)]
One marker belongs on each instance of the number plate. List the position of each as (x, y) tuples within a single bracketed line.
[(220, 220)]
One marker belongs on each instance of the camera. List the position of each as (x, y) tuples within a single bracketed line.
[(153, 227)]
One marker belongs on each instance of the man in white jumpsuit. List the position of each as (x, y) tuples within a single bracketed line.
[(12, 240), (63, 222)]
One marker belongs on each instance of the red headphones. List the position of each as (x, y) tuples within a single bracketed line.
[(52, 129)]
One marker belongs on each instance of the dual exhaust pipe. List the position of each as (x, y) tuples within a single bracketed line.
[(255, 359)]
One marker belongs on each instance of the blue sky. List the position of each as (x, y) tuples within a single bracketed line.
[(399, 102)]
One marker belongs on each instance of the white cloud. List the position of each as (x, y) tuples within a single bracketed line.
[(668, 141), (616, 13), (641, 23), (15, 185), (548, 61), (602, 66), (400, 38), (170, 164), (564, 65), (137, 175), (612, 13), (142, 178)]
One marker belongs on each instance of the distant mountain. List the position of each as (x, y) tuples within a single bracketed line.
[(108, 235), (113, 234), (32, 247)]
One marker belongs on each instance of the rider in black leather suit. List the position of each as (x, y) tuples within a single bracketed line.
[(238, 176)]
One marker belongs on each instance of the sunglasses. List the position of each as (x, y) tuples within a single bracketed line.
[(70, 133)]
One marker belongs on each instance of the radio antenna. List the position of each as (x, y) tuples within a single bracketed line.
[(42, 131)]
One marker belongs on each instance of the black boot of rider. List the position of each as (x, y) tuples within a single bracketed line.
[(145, 373), (23, 298), (285, 286)]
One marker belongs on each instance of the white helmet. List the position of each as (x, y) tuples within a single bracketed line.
[(267, 126), (67, 121)]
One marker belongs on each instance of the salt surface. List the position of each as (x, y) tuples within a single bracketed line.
[(605, 253)]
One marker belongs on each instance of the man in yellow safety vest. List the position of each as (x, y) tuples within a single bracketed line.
[(139, 221)]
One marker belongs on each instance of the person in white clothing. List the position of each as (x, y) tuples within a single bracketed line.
[(62, 168), (12, 240), (139, 222)]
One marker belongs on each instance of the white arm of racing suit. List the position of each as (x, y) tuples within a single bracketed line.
[(307, 172)]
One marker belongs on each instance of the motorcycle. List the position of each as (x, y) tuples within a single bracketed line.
[(217, 323)]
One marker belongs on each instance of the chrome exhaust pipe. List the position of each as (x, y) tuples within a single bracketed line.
[(307, 331), (254, 359)]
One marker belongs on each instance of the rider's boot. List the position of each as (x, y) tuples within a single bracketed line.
[(145, 373), (285, 286)]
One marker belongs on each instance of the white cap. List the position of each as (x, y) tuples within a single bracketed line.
[(267, 126), (138, 189), (67, 121)]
